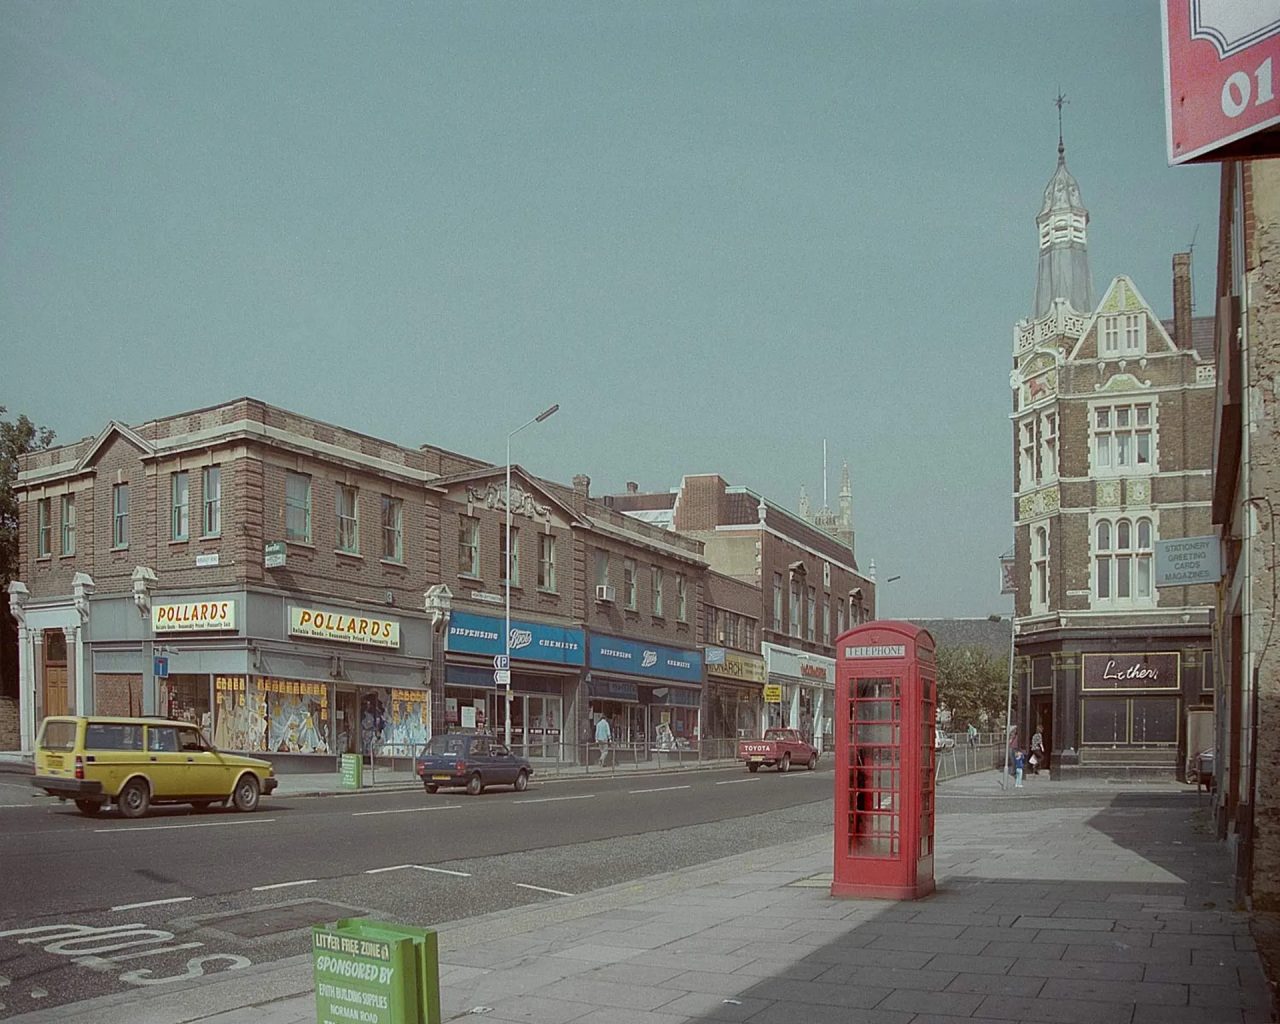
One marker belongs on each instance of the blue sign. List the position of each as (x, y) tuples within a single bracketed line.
[(614, 654), (161, 667), (613, 689), (530, 641), (715, 655)]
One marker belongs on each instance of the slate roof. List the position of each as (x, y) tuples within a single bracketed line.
[(1202, 336)]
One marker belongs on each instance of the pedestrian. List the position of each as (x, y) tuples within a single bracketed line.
[(1019, 761), (1037, 751), (973, 735), (604, 735)]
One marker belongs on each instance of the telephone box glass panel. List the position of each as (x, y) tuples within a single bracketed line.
[(875, 769)]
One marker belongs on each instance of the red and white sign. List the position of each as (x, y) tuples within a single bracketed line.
[(1221, 75)]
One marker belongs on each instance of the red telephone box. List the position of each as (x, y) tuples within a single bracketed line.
[(886, 689)]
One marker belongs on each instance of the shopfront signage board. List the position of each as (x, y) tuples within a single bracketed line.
[(529, 641), (772, 693), (345, 627), (193, 616), (1183, 561), (273, 555)]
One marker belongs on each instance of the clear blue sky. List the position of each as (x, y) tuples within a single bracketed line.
[(715, 233)]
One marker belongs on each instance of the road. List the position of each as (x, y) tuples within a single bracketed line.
[(90, 906)]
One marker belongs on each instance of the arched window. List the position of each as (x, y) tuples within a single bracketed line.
[(1122, 561)]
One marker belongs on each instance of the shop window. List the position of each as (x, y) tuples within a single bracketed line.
[(468, 546), (629, 583), (240, 715), (682, 605), (297, 716), (1154, 720), (120, 516), (297, 508), (185, 698), (392, 529), (1105, 721), (657, 591), (68, 524), (211, 492), (346, 501), (547, 562), (44, 529)]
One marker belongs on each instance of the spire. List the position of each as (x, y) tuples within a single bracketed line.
[(1063, 222)]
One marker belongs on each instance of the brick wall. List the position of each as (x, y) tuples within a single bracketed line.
[(10, 726), (117, 695)]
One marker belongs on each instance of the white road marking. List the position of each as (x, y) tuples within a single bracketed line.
[(441, 871), (552, 799), (284, 885), (662, 789), (152, 903), (538, 888), (734, 782), (396, 867), (201, 824), (407, 810)]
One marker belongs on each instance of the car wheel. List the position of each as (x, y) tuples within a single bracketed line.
[(474, 786), (753, 768), (813, 763), (89, 808), (785, 764), (522, 782), (134, 799), (431, 787), (246, 794)]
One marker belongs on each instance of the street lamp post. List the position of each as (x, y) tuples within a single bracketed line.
[(506, 631)]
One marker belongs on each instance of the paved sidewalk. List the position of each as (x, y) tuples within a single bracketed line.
[(1082, 902)]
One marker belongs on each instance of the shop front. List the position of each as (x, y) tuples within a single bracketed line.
[(735, 695), (546, 670), (651, 695), (805, 685)]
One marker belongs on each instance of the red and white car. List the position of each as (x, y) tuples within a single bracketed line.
[(780, 747)]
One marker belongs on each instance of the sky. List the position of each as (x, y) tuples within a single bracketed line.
[(714, 233)]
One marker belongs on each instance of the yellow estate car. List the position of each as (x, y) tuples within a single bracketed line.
[(136, 762)]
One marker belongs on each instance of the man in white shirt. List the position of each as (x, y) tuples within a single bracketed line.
[(604, 735)]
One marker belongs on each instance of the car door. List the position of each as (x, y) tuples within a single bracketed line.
[(164, 762), (207, 773), (504, 764), (478, 759)]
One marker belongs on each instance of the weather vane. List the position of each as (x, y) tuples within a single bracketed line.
[(1058, 103)]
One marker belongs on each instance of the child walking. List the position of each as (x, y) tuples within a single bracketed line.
[(1019, 762)]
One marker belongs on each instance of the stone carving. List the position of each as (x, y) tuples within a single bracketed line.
[(1043, 502), (1137, 492), (1123, 382), (1108, 494), (522, 502)]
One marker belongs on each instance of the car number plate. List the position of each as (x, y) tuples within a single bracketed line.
[(445, 778), (55, 760), (757, 757)]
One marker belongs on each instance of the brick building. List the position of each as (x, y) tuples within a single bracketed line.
[(1246, 495), (810, 588), (1112, 430), (289, 575)]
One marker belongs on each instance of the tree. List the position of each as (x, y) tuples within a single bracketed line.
[(16, 438), (972, 683)]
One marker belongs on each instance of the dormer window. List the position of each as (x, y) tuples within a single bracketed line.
[(1110, 335), (1135, 333)]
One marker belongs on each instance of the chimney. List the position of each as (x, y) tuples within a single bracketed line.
[(1182, 299), (633, 487), (582, 484)]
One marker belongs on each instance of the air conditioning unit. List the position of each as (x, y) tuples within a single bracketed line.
[(604, 592)]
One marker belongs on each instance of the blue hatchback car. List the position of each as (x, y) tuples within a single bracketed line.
[(471, 761)]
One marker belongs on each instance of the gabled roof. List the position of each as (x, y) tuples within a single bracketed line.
[(499, 473), (113, 428), (1122, 296)]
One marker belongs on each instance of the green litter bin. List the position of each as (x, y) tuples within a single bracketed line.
[(373, 972)]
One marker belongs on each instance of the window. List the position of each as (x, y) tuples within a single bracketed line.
[(839, 618), (794, 620), (68, 524), (1049, 445), (546, 561), (812, 613), (657, 590), (297, 508), (211, 488), (824, 613), (710, 635), (515, 555), (1122, 438), (601, 567), (392, 529), (777, 601), (44, 530), (1040, 568), (629, 583), (682, 603), (120, 516), (1110, 335), (1122, 561), (179, 506), (1027, 454), (1135, 333), (468, 546), (346, 504)]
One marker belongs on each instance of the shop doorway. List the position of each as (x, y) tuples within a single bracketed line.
[(541, 718), (1042, 717), (55, 672)]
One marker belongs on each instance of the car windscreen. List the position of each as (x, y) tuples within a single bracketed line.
[(447, 745), (58, 735)]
